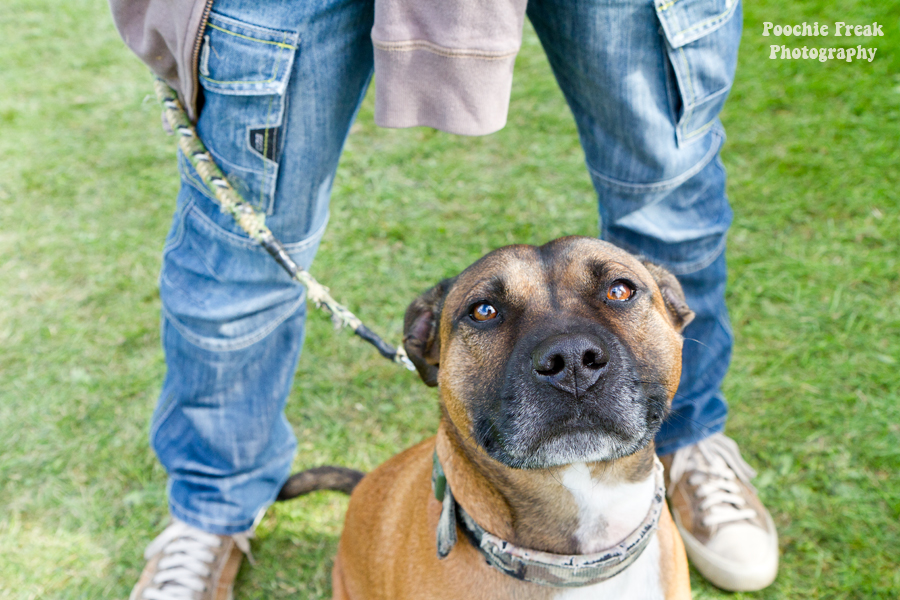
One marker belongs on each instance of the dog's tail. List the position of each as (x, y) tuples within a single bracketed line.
[(340, 479)]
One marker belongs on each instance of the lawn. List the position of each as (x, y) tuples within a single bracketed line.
[(87, 186)]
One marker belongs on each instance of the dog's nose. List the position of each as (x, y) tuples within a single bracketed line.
[(570, 362)]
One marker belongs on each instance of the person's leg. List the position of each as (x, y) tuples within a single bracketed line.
[(281, 84), (646, 82), (647, 119)]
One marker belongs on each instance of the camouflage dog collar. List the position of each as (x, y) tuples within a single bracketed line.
[(544, 568)]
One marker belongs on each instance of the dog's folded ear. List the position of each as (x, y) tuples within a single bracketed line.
[(421, 336), (672, 294)]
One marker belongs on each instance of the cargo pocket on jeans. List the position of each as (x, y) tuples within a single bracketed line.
[(702, 39), (244, 71)]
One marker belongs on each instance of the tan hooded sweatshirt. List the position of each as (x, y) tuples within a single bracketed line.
[(446, 64)]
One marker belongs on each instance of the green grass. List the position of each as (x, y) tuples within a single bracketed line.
[(87, 185)]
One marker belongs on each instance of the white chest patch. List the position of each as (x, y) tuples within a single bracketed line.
[(607, 514)]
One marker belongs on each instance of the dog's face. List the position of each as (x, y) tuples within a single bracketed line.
[(545, 356)]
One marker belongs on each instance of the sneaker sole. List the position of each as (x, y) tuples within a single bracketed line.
[(726, 574)]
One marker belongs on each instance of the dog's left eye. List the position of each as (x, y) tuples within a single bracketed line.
[(483, 312), (620, 291)]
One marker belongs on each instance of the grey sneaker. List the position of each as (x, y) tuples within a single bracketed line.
[(728, 534), (185, 563)]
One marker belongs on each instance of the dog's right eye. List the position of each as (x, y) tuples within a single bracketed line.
[(620, 291), (483, 312)]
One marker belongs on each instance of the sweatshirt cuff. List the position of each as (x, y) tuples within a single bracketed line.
[(418, 83)]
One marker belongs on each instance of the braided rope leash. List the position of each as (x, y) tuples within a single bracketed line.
[(253, 223)]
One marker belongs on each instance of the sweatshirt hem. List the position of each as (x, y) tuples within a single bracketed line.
[(461, 91)]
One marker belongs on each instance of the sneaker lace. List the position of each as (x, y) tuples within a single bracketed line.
[(186, 565), (715, 467)]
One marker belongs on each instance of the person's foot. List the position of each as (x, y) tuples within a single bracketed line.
[(728, 534), (185, 563)]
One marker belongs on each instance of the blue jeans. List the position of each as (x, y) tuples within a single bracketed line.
[(282, 82)]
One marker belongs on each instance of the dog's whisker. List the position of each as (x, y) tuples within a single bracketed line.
[(676, 394), (697, 341), (553, 475), (674, 416)]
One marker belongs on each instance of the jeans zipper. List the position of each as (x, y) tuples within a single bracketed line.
[(195, 57)]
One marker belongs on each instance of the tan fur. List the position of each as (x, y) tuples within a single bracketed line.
[(673, 561), (388, 549)]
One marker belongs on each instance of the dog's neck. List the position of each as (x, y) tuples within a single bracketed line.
[(574, 509)]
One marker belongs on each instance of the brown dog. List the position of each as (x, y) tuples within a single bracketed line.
[(556, 366)]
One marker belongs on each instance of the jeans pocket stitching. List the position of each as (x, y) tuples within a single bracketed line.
[(659, 186), (699, 29), (178, 238), (276, 64), (187, 173), (711, 23), (688, 103), (695, 103), (286, 44), (269, 177), (250, 61), (237, 240), (232, 239), (214, 16), (238, 343)]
